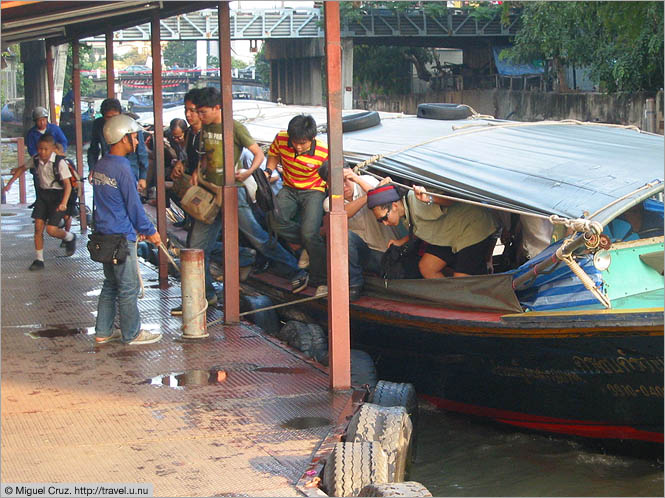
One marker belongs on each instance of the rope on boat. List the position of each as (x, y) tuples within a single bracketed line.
[(630, 194), (318, 295), (584, 278)]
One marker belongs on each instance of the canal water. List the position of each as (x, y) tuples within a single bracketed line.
[(460, 456)]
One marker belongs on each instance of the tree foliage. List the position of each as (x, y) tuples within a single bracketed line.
[(180, 53), (262, 67), (383, 70), (621, 42), (87, 62)]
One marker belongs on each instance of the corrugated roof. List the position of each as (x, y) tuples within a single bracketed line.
[(62, 22)]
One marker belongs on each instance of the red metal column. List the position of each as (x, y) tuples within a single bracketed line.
[(78, 130), (51, 84), (336, 220), (20, 150), (110, 75), (158, 141), (230, 197)]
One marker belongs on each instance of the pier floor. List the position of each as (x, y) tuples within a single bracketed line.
[(236, 414)]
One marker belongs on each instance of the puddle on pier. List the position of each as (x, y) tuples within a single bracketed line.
[(190, 378), (305, 423), (60, 331)]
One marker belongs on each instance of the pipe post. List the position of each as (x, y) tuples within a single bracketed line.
[(194, 302)]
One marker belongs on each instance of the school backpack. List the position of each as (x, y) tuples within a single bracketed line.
[(74, 179), (265, 198)]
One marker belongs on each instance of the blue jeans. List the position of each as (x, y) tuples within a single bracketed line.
[(261, 241), (121, 285), (361, 258), (299, 222), (205, 237)]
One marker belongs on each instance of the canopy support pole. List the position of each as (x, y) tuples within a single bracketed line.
[(78, 130), (230, 197), (158, 141), (336, 220), (110, 74)]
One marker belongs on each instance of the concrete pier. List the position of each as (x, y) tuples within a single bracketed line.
[(235, 414)]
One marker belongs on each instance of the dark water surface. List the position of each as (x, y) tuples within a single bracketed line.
[(459, 456)]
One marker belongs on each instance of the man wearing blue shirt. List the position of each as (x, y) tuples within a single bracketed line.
[(42, 126), (138, 159), (119, 211)]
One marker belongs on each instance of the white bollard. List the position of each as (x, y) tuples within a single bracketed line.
[(194, 302)]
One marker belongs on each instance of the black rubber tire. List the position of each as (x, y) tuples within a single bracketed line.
[(287, 314), (290, 330), (363, 370), (268, 320), (360, 121), (388, 425), (395, 394), (444, 111), (352, 466), (311, 340), (399, 394), (408, 488)]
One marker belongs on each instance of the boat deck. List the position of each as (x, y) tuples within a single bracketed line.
[(237, 413)]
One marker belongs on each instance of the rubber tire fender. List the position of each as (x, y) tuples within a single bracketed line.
[(267, 320), (360, 121), (447, 112), (352, 466), (408, 488), (363, 370), (395, 394), (388, 425)]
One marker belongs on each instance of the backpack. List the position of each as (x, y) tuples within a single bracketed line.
[(74, 180), (265, 197)]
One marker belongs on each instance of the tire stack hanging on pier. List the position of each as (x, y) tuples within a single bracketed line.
[(374, 458)]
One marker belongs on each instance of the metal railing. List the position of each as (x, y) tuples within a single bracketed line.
[(20, 160), (264, 24)]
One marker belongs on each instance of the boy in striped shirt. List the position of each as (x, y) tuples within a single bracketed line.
[(300, 201)]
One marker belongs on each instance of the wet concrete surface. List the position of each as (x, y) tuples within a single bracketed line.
[(236, 414)]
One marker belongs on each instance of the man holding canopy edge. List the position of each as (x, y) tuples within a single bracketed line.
[(458, 235)]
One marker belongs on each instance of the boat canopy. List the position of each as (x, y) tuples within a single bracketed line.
[(565, 168)]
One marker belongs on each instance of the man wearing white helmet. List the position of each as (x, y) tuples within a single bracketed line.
[(42, 126), (119, 211)]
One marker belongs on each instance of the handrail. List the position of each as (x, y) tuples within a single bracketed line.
[(20, 153)]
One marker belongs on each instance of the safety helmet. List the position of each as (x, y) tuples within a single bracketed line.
[(119, 126), (39, 112)]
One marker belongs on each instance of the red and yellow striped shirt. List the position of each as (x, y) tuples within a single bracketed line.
[(300, 172)]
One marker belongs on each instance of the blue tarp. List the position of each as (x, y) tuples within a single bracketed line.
[(507, 68)]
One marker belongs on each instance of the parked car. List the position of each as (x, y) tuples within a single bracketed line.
[(136, 69)]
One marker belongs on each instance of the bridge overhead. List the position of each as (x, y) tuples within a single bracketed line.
[(374, 26)]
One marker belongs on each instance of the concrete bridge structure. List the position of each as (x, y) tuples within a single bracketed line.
[(294, 40)]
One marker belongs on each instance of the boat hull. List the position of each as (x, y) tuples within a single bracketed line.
[(594, 374), (604, 385)]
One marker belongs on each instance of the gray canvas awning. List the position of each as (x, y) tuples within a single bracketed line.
[(558, 168)]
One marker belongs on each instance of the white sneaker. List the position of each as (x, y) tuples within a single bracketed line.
[(303, 262), (145, 337)]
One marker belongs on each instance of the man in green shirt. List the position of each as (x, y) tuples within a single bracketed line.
[(209, 108)]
